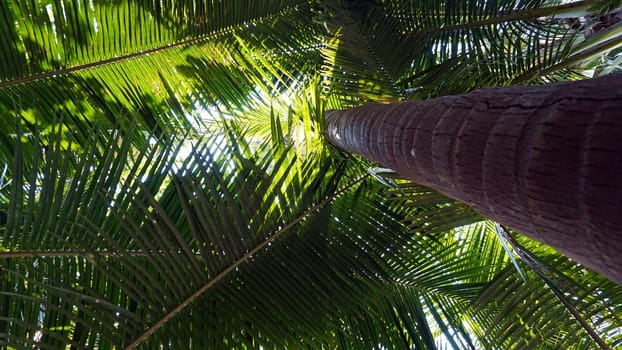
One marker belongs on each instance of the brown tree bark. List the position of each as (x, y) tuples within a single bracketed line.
[(543, 160)]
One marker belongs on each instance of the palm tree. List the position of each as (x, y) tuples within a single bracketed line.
[(167, 184), (544, 160)]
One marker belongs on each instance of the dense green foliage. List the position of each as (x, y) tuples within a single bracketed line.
[(166, 183)]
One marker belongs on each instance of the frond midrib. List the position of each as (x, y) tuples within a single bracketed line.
[(289, 11)]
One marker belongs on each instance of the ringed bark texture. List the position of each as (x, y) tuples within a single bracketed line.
[(543, 160)]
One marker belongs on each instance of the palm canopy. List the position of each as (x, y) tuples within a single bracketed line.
[(166, 184)]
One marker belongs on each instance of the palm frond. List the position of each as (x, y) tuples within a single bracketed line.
[(197, 218), (418, 48), (45, 37), (518, 320)]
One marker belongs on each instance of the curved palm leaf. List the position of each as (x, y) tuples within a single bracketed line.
[(60, 35)]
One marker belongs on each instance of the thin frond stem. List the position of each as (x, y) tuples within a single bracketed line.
[(533, 262), (511, 16), (155, 50), (576, 314), (140, 339), (78, 253), (81, 67), (356, 30), (383, 69)]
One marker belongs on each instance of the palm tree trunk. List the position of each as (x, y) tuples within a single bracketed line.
[(543, 160)]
